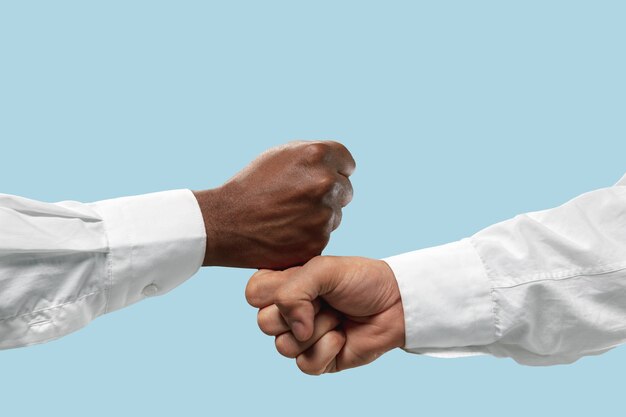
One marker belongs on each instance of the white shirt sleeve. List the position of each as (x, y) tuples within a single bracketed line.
[(544, 288), (64, 264)]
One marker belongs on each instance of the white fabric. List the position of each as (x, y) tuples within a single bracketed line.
[(64, 264), (543, 288)]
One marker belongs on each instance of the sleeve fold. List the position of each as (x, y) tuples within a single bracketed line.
[(543, 288), (64, 264)]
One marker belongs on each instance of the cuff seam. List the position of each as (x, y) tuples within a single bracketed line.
[(494, 299), (109, 273), (43, 310)]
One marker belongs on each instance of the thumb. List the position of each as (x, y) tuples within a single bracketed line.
[(295, 298)]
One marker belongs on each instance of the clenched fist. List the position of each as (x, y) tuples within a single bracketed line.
[(279, 211), (331, 314)]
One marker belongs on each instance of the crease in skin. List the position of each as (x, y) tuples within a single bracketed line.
[(310, 361), (325, 321), (373, 336)]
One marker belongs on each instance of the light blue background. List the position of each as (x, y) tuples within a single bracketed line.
[(459, 113)]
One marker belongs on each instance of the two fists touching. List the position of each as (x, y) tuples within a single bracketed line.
[(330, 313)]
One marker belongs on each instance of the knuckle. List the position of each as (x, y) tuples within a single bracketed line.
[(337, 337), (331, 319), (349, 192), (284, 346), (308, 368), (252, 293), (263, 321), (325, 184), (315, 152), (283, 298), (335, 145), (344, 151)]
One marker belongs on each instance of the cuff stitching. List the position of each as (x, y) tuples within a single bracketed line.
[(34, 312), (492, 291), (108, 285)]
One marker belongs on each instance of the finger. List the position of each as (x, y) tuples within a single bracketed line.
[(287, 345), (272, 323), (341, 158), (263, 285), (337, 216), (320, 358), (294, 298), (364, 343), (344, 190), (340, 197)]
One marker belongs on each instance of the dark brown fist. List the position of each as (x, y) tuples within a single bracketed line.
[(279, 211)]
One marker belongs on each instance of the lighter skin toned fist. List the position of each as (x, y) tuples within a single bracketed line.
[(280, 210), (331, 314)]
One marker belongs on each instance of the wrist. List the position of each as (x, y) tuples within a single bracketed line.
[(446, 296), (398, 338), (212, 209), (397, 331)]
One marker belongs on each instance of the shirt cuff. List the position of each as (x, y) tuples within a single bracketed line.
[(156, 241), (446, 297)]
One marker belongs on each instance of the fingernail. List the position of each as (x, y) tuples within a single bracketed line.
[(298, 330)]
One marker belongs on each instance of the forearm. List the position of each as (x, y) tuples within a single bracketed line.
[(545, 287), (64, 264)]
